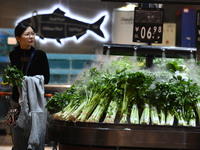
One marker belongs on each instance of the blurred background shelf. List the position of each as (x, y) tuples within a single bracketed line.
[(191, 2)]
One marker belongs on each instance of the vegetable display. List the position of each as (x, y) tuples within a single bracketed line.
[(123, 91)]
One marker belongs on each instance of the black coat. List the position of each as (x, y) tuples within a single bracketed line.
[(39, 65)]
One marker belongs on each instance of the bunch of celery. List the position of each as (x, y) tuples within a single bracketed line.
[(158, 103), (113, 81), (112, 110), (109, 101), (125, 105), (177, 97), (64, 103), (140, 83), (129, 87), (75, 101), (169, 119), (99, 110), (134, 117), (187, 93), (103, 87), (116, 98), (60, 100), (165, 93)]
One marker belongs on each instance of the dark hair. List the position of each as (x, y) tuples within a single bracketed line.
[(20, 28)]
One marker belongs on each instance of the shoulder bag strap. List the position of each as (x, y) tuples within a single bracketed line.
[(28, 65)]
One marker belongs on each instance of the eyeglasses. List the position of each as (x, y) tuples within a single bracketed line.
[(29, 34)]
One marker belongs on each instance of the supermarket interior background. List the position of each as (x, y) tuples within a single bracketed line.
[(71, 53)]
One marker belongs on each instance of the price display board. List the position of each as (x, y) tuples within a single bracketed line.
[(148, 25), (198, 28)]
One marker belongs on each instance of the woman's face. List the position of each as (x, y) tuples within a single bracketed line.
[(27, 39)]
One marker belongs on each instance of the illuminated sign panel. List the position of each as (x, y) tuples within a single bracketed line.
[(56, 25)]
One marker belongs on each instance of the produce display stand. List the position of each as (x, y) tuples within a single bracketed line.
[(95, 136), (84, 135)]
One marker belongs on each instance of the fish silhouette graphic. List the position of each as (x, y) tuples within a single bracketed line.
[(57, 25)]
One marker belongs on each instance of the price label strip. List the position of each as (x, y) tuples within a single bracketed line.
[(148, 25)]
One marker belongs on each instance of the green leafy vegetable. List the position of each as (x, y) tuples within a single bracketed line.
[(13, 76), (162, 95)]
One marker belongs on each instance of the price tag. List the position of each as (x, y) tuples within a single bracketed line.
[(148, 25)]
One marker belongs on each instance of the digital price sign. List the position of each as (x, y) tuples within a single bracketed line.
[(148, 25)]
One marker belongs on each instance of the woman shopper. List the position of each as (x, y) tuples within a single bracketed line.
[(33, 63)]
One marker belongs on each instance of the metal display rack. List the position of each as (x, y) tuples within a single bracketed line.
[(145, 50), (149, 51)]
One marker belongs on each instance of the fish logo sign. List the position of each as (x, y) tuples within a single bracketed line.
[(57, 26)]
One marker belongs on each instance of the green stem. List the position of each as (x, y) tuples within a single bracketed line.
[(154, 116), (99, 110), (162, 117), (134, 118), (170, 119), (111, 112), (145, 118)]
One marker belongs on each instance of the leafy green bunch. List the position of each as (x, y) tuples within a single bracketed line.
[(177, 96), (60, 100), (184, 97), (13, 76)]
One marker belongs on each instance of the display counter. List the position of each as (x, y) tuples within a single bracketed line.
[(84, 135)]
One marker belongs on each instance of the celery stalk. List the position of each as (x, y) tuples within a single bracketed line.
[(125, 104), (77, 112), (124, 118), (111, 112), (181, 121), (154, 116), (179, 116), (145, 118), (58, 115), (66, 114), (162, 117), (89, 107), (99, 110), (170, 119), (192, 122), (134, 118)]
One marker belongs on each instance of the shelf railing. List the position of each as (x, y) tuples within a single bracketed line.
[(148, 50)]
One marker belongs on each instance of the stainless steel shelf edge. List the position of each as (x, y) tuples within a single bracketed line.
[(124, 135)]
